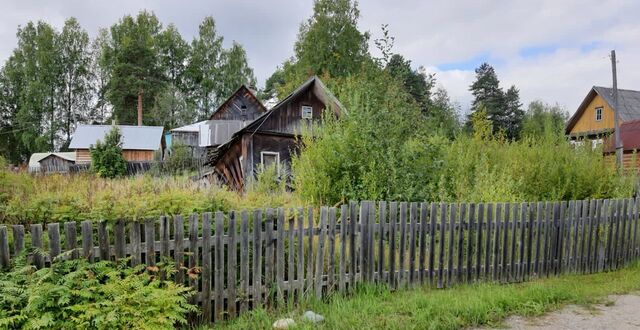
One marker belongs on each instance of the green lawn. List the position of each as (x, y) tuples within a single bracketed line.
[(472, 305)]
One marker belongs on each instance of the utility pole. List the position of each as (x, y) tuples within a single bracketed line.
[(618, 142)]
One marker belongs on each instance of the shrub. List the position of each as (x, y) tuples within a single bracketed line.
[(74, 294), (106, 157)]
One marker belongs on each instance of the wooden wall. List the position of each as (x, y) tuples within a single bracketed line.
[(232, 109), (289, 118), (84, 155), (588, 123)]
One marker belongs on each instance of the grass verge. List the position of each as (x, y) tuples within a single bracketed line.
[(374, 307)]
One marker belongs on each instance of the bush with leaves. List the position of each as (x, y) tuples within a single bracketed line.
[(106, 157), (75, 294)]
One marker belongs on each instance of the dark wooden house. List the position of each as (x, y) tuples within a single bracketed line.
[(272, 137)]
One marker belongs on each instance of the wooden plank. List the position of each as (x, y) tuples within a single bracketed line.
[(103, 240), (280, 256), (232, 264), (136, 246), (496, 244), (422, 255), (623, 233), (514, 231), (441, 251), (87, 240), (371, 222), (450, 234), (257, 259), (291, 265), (533, 227), (5, 254), (628, 230), (609, 206), (120, 240), (269, 258), (362, 242), (585, 229), (461, 231), (319, 273), (393, 214), (244, 261), (413, 217), (178, 254), (470, 239), (479, 240), (53, 231), (636, 219), (402, 246), (194, 258), (590, 244), (207, 270), (332, 250), (70, 239), (524, 219), (310, 226), (572, 228), (488, 247), (150, 238), (504, 268), (382, 225), (18, 239), (561, 241), (164, 236), (599, 248), (353, 256), (300, 261), (538, 225), (344, 209)]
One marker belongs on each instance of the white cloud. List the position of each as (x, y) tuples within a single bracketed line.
[(576, 35)]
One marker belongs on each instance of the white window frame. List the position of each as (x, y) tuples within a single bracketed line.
[(302, 111), (273, 153), (599, 111)]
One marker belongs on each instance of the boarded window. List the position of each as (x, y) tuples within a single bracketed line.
[(307, 112), (269, 158)]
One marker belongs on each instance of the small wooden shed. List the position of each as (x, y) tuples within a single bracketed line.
[(139, 143)]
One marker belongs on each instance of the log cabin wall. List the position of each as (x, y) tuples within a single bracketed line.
[(84, 155), (242, 105), (288, 119)]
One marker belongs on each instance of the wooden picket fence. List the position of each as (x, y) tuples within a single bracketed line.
[(244, 260)]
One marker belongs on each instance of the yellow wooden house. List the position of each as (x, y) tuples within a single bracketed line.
[(594, 118)]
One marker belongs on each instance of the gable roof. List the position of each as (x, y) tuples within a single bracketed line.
[(34, 160), (241, 89), (322, 92), (628, 104), (133, 137)]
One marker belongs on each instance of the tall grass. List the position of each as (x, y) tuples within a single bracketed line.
[(374, 307)]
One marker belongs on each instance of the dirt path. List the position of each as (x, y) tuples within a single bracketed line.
[(620, 312)]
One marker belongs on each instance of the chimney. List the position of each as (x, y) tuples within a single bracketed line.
[(140, 93)]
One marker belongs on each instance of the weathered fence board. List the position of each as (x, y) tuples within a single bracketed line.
[(243, 260)]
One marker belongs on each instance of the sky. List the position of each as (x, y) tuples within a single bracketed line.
[(551, 50)]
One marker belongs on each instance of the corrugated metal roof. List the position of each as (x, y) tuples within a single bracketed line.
[(34, 160), (629, 135), (628, 101), (133, 137), (194, 128)]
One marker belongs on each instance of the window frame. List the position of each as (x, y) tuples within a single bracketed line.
[(272, 153), (302, 108), (599, 111)]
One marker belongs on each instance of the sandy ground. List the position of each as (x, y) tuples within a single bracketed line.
[(620, 312)]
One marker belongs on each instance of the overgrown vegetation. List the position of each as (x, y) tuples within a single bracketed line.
[(460, 307), (107, 160), (54, 198), (75, 294)]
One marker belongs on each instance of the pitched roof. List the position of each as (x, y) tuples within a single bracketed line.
[(35, 158), (628, 104), (240, 89), (195, 128), (133, 137), (324, 94), (629, 135)]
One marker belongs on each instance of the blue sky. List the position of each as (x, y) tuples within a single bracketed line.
[(551, 50)]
